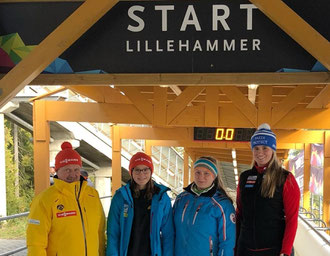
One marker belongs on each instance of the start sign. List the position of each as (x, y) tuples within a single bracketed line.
[(193, 36)]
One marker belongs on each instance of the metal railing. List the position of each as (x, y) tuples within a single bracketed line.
[(19, 215), (312, 218), (14, 216)]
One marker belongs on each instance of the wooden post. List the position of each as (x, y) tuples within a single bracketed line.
[(186, 170), (326, 179), (41, 135), (116, 160), (307, 174), (148, 147)]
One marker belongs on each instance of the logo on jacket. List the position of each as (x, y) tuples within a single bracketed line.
[(232, 218), (125, 210), (60, 207), (34, 222), (66, 214), (251, 180)]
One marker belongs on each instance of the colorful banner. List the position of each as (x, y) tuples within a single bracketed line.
[(200, 36), (296, 167), (317, 160)]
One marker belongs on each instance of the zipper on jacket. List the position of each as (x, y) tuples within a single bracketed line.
[(151, 219), (184, 210), (82, 220), (196, 212), (211, 245)]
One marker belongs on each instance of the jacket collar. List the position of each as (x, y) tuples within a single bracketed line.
[(71, 189), (260, 169), (208, 193)]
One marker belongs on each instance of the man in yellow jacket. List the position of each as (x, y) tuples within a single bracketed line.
[(67, 218)]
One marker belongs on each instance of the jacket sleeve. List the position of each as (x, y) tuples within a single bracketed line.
[(167, 229), (291, 197), (227, 229), (113, 226), (38, 228)]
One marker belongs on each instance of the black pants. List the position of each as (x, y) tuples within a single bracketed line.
[(271, 252)]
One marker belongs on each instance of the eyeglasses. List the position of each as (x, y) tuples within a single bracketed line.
[(144, 171)]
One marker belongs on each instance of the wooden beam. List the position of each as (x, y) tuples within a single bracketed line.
[(322, 100), (101, 94), (181, 102), (241, 103), (61, 89), (53, 46), (139, 100), (196, 79), (211, 106), (290, 101), (160, 106), (300, 31), (265, 104), (94, 112)]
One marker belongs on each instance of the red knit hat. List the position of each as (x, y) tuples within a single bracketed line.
[(67, 156), (140, 158)]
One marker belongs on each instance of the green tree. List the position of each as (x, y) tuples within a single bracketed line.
[(25, 168)]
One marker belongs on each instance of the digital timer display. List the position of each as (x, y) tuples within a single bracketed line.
[(223, 134)]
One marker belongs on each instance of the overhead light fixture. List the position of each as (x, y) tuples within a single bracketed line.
[(112, 86), (253, 86), (122, 93), (234, 163), (235, 171), (164, 85), (233, 153)]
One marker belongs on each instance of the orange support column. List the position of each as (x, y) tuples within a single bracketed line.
[(148, 147), (41, 135), (186, 170), (307, 174), (116, 160), (326, 179)]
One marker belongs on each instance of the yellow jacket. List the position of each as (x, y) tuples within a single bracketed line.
[(60, 224)]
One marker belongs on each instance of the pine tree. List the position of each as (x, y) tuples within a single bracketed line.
[(20, 203)]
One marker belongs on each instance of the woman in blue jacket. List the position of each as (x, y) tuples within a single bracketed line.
[(204, 216), (140, 220)]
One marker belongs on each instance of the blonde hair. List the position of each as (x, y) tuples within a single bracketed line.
[(274, 176)]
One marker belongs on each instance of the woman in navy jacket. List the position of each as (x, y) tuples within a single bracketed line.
[(140, 220), (267, 202), (204, 216)]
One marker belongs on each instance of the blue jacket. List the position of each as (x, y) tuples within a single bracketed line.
[(204, 225), (120, 221)]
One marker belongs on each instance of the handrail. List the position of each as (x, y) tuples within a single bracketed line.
[(19, 215), (315, 229), (13, 251), (14, 216)]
